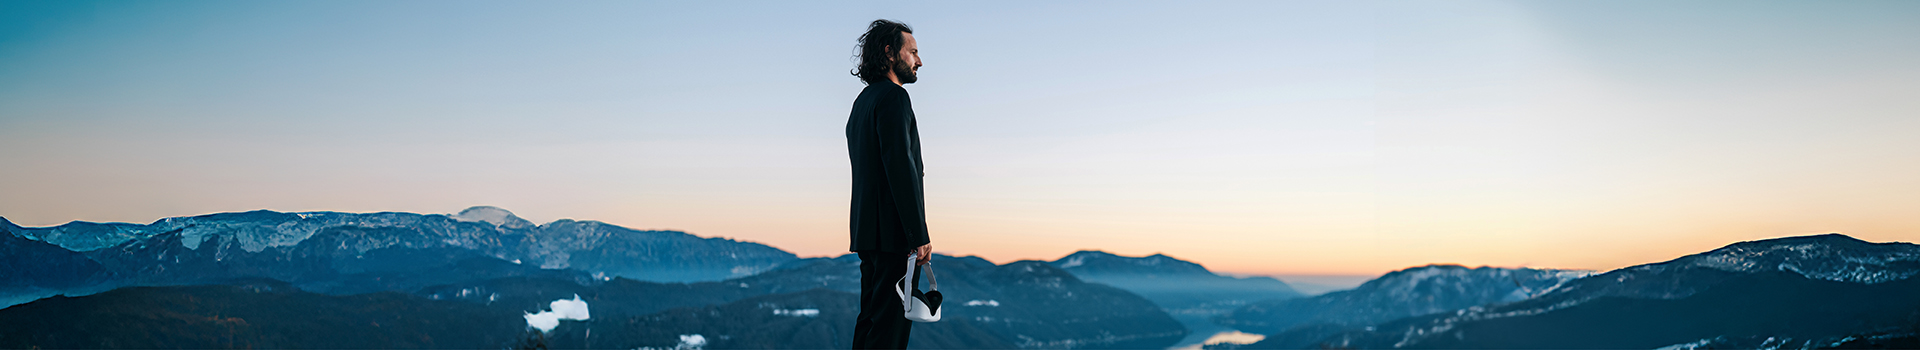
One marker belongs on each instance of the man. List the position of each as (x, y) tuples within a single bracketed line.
[(889, 216)]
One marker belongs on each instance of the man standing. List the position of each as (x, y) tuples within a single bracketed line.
[(889, 216)]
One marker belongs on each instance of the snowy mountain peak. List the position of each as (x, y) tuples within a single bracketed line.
[(76, 235), (1422, 280), (492, 215), (1411, 277), (1419, 290), (1080, 258), (1099, 262), (1832, 257)]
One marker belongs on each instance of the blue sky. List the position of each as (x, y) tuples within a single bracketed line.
[(1255, 137)]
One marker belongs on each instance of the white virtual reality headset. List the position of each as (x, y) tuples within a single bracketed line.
[(921, 307)]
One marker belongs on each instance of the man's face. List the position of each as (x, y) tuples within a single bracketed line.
[(906, 63)]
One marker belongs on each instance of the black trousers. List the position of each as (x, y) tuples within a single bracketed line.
[(883, 322)]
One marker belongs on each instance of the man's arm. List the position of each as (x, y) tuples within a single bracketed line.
[(894, 121)]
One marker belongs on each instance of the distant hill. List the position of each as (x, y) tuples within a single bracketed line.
[(1398, 294), (1188, 291), (1170, 282), (1758, 310), (30, 264), (79, 236), (1802, 292)]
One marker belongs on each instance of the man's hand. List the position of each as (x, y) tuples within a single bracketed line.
[(925, 252)]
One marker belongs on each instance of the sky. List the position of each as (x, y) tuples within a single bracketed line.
[(1256, 137)]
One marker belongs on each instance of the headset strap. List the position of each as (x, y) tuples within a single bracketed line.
[(936, 282), (905, 285), (902, 286)]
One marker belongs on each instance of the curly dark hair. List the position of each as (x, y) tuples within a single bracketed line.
[(874, 58)]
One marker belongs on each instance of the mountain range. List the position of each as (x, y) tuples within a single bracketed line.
[(299, 247), (1022, 304), (1025, 304), (487, 261), (1797, 292), (272, 279), (1409, 292)]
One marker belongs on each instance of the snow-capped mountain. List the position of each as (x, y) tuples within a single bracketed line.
[(1408, 292), (1795, 292), (492, 215), (1094, 262), (274, 240), (1829, 257), (1832, 257)]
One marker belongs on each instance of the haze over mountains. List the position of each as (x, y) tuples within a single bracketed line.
[(270, 279), (1188, 291)]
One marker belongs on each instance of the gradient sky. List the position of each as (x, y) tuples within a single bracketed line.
[(1260, 137)]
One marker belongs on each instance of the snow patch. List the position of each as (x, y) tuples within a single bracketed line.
[(1688, 345), (797, 312), (1154, 260), (563, 309), (744, 270), (1075, 261), (687, 342), (492, 215), (1816, 260)]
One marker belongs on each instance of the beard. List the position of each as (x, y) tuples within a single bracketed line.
[(904, 72)]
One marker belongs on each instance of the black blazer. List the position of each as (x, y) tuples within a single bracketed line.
[(889, 213)]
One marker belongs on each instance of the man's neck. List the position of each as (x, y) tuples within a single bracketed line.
[(894, 78)]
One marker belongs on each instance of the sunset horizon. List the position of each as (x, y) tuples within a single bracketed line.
[(1348, 276)]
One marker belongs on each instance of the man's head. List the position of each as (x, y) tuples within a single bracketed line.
[(888, 52)]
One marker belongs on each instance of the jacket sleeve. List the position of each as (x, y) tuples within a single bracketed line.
[(897, 155)]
